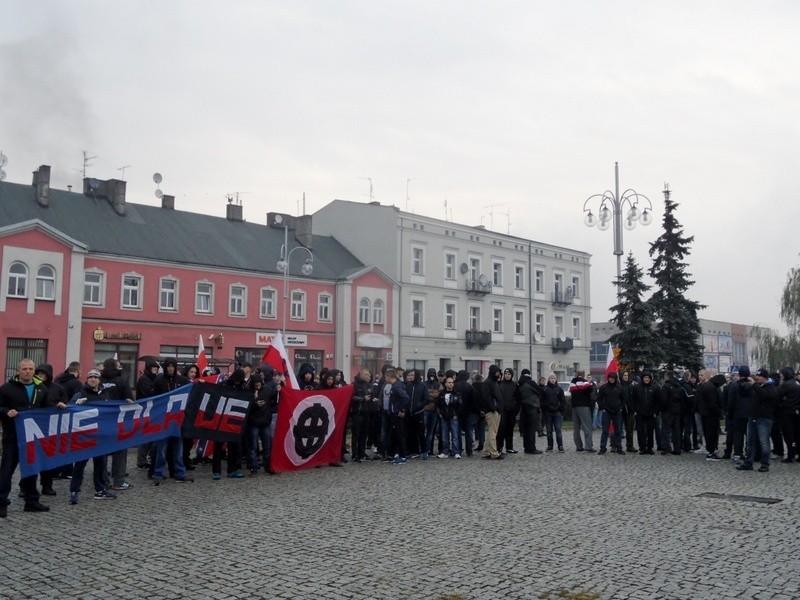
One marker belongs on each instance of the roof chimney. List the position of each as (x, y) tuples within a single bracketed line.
[(302, 230), (41, 181), (117, 195), (168, 202), (234, 209)]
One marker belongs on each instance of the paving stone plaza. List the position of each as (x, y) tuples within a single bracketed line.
[(572, 525)]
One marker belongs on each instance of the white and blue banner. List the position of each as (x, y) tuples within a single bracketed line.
[(51, 437)]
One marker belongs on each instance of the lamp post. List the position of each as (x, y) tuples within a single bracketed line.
[(283, 266), (610, 211)]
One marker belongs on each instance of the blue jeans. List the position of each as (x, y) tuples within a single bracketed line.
[(430, 417), (597, 419), (263, 434), (176, 448), (553, 420), (616, 439), (451, 436), (758, 432)]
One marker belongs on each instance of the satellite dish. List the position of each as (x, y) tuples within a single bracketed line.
[(3, 160), (463, 268), (157, 178), (278, 219), (538, 337), (563, 337), (483, 280), (159, 193)]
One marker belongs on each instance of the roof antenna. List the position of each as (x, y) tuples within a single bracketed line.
[(86, 162), (123, 170), (371, 196)]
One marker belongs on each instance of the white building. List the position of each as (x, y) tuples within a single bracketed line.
[(470, 297)]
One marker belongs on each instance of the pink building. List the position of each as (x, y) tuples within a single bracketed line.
[(87, 276)]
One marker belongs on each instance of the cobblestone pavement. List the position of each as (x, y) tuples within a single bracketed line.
[(573, 525)]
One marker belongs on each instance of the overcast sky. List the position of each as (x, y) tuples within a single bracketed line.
[(523, 106)]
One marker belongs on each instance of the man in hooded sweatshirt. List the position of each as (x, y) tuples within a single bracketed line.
[(55, 397), (168, 381), (647, 404), (610, 401), (530, 395), (763, 398), (145, 388), (510, 392), (116, 388)]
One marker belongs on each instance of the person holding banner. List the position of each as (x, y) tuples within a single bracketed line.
[(168, 381), (21, 393), (92, 392), (117, 388)]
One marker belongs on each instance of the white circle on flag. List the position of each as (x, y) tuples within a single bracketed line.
[(312, 423)]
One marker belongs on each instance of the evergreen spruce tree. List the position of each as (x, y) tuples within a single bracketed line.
[(677, 324), (633, 316)]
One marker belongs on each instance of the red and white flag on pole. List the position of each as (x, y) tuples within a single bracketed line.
[(202, 360), (611, 362), (276, 357)]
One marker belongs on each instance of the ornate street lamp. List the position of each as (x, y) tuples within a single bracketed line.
[(610, 212), (283, 266)]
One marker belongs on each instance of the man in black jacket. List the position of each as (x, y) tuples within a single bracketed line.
[(492, 407), (168, 381), (610, 401), (145, 388), (116, 388), (763, 395), (508, 418), (55, 397), (646, 403), (709, 405), (21, 393), (530, 394)]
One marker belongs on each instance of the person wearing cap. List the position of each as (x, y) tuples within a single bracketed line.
[(763, 398), (92, 391), (21, 393), (492, 406)]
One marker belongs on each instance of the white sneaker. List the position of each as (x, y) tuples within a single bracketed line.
[(458, 456), (443, 455)]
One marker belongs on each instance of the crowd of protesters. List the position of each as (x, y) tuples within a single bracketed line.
[(398, 415)]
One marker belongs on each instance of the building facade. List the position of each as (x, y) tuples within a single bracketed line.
[(87, 276), (470, 297)]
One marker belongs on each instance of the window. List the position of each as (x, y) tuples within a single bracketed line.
[(519, 322), (497, 274), (298, 312), (204, 297), (474, 268), (474, 318), (449, 266), (324, 307), (417, 261), (417, 313), (46, 283), (377, 312), (268, 303), (598, 352), (168, 294), (538, 326), (558, 326), (17, 281), (131, 291), (519, 277), (538, 284), (93, 288), (497, 320), (558, 283), (19, 348), (237, 301), (576, 328), (576, 286), (449, 315), (363, 311)]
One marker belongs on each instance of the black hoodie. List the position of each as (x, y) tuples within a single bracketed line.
[(70, 382), (54, 394)]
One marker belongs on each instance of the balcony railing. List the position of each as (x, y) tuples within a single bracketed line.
[(563, 298), (478, 338), (477, 286), (564, 345)]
